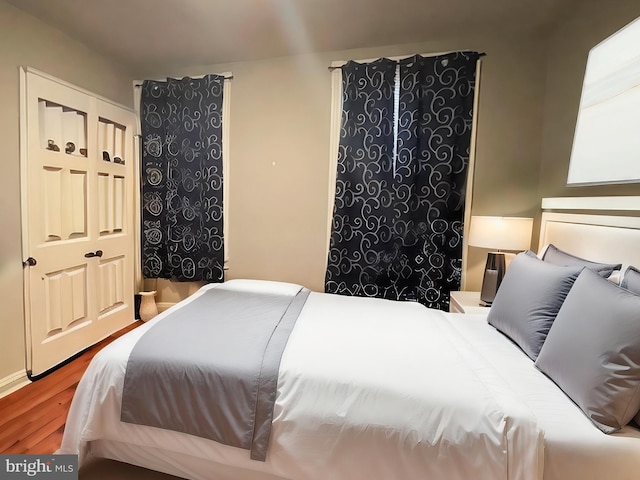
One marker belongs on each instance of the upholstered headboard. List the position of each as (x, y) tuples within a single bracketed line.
[(601, 229)]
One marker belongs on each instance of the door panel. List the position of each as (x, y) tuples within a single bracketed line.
[(114, 229), (60, 287), (79, 202), (104, 206), (61, 315), (119, 214), (112, 279), (65, 203)]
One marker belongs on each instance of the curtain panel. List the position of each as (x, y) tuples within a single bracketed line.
[(182, 184), (400, 188)]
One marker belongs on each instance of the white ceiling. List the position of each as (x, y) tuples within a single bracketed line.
[(160, 35)]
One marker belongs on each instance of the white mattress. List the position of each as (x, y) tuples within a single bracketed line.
[(374, 389), (573, 447)]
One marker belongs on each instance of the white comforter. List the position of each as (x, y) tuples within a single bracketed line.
[(368, 389)]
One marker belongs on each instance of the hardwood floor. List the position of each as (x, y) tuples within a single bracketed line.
[(32, 419)]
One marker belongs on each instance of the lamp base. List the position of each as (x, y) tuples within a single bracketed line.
[(493, 273)]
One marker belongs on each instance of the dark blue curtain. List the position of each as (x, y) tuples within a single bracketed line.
[(182, 208), (399, 207)]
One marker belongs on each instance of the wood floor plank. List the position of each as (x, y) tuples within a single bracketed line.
[(36, 418), (32, 418), (36, 436), (38, 399), (49, 444)]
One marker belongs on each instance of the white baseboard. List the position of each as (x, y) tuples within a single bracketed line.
[(13, 382)]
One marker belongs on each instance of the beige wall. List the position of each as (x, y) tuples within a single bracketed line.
[(280, 141), (591, 22), (529, 95), (280, 118), (24, 41)]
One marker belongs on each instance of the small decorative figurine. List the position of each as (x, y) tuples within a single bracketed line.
[(51, 145)]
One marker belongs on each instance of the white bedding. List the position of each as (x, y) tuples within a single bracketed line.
[(574, 449), (373, 389)]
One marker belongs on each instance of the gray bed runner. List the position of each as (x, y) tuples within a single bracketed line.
[(211, 368)]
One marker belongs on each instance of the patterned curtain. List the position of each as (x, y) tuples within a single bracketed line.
[(399, 208), (362, 228), (182, 223)]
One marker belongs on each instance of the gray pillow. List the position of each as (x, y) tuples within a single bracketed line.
[(592, 351), (558, 257), (528, 300), (631, 279)]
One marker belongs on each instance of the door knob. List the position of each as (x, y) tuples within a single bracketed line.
[(97, 253), (29, 262)]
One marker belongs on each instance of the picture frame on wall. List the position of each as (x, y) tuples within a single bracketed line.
[(606, 144)]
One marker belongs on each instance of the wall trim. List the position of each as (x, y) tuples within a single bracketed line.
[(13, 382), (621, 203)]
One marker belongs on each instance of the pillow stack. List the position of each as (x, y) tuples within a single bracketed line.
[(592, 351), (581, 330)]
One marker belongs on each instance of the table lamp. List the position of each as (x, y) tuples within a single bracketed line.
[(498, 233)]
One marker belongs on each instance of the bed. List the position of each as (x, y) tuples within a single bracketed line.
[(376, 389)]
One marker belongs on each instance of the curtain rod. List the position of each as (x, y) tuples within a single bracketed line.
[(226, 77), (336, 67)]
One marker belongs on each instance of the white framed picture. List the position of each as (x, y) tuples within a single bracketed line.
[(606, 143)]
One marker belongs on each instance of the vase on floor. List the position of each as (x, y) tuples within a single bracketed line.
[(148, 307)]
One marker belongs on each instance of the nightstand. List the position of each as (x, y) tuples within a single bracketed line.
[(466, 302)]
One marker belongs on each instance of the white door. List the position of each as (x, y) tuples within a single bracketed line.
[(78, 231)]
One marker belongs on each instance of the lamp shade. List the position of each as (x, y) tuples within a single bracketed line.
[(501, 233)]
